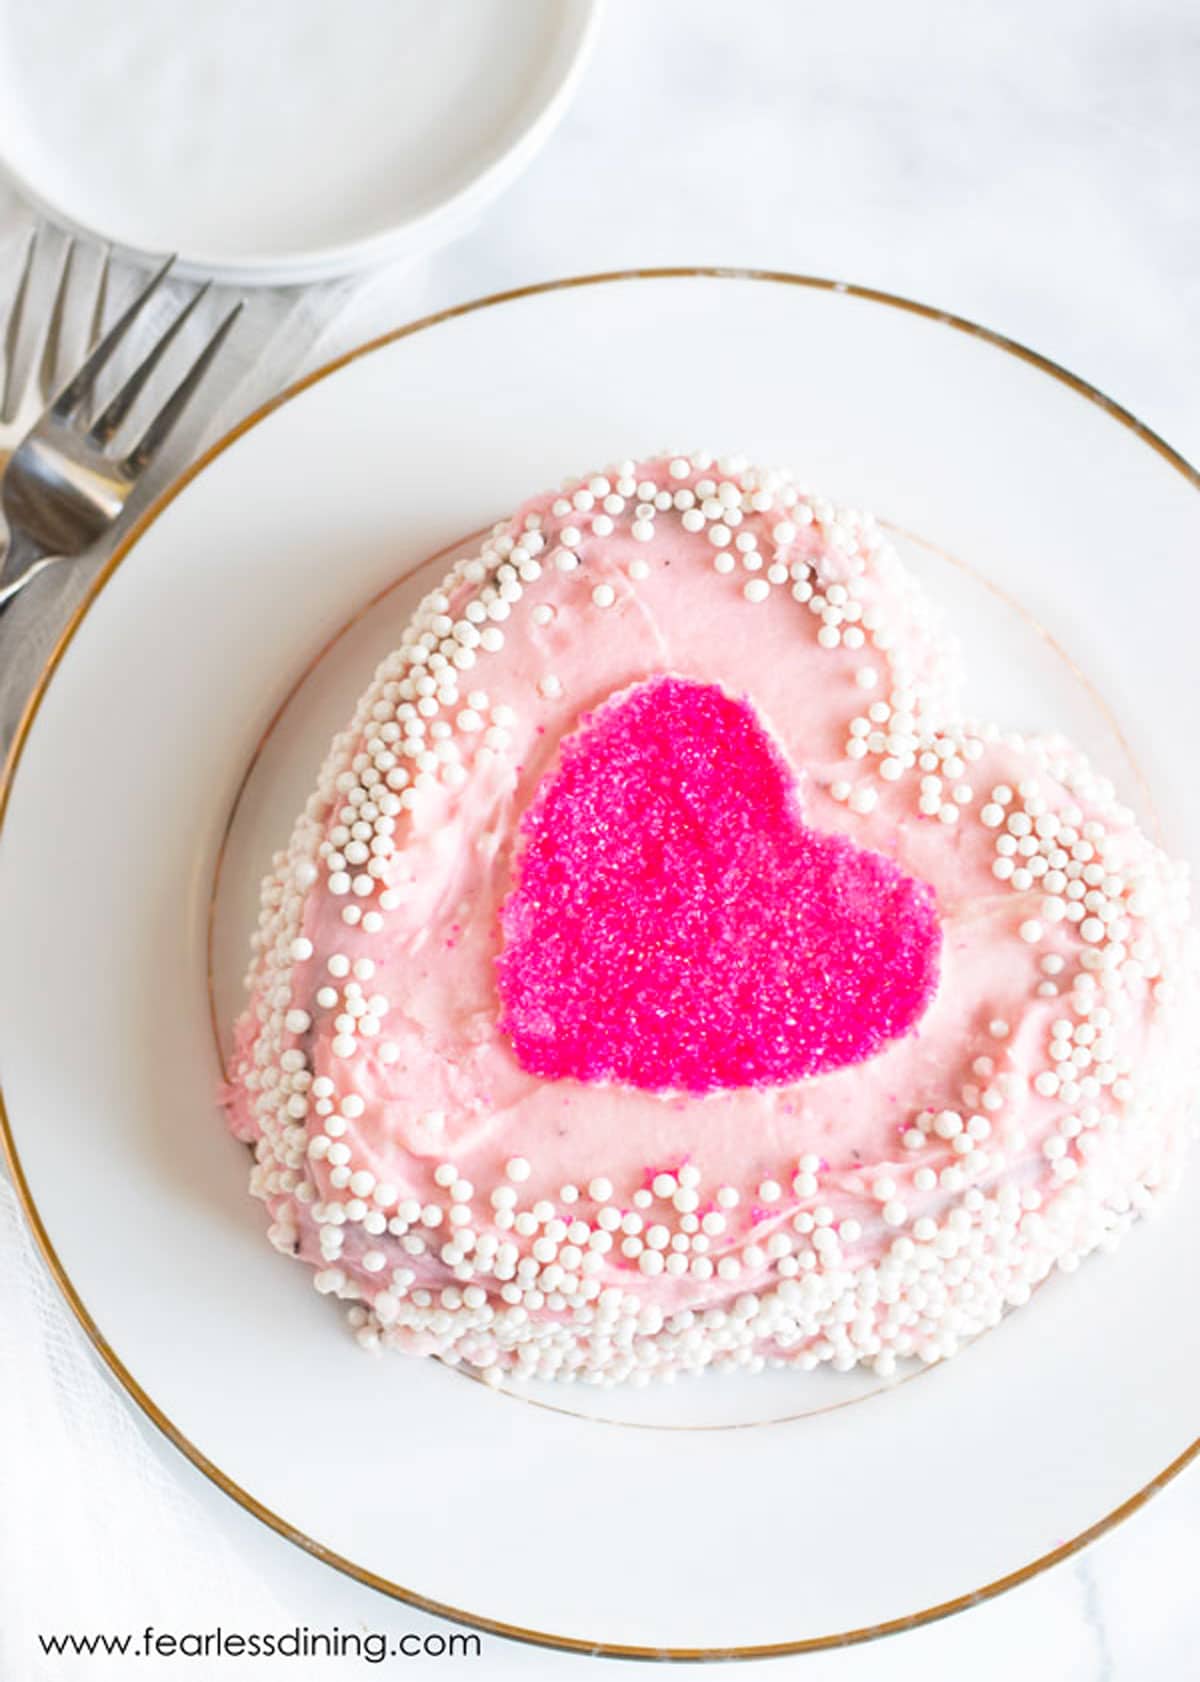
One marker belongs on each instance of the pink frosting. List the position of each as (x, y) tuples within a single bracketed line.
[(568, 1120), (675, 925)]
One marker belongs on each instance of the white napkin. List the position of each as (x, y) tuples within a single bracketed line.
[(81, 1495)]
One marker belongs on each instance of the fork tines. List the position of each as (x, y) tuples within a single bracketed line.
[(76, 395), (163, 424)]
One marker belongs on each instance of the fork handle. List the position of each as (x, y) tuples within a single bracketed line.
[(8, 591), (22, 560)]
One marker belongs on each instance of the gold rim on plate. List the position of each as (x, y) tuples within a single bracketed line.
[(62, 1279)]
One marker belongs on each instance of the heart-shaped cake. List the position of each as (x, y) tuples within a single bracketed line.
[(666, 974)]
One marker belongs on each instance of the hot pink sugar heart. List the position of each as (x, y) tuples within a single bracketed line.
[(674, 924)]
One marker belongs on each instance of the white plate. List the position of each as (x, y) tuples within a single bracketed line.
[(285, 140), (822, 1522)]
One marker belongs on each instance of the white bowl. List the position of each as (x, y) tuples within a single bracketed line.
[(284, 141)]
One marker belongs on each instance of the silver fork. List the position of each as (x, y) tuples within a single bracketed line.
[(65, 484), (22, 401)]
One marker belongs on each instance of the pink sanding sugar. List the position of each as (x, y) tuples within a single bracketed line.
[(676, 927)]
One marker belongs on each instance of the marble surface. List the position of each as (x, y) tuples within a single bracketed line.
[(1031, 166)]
